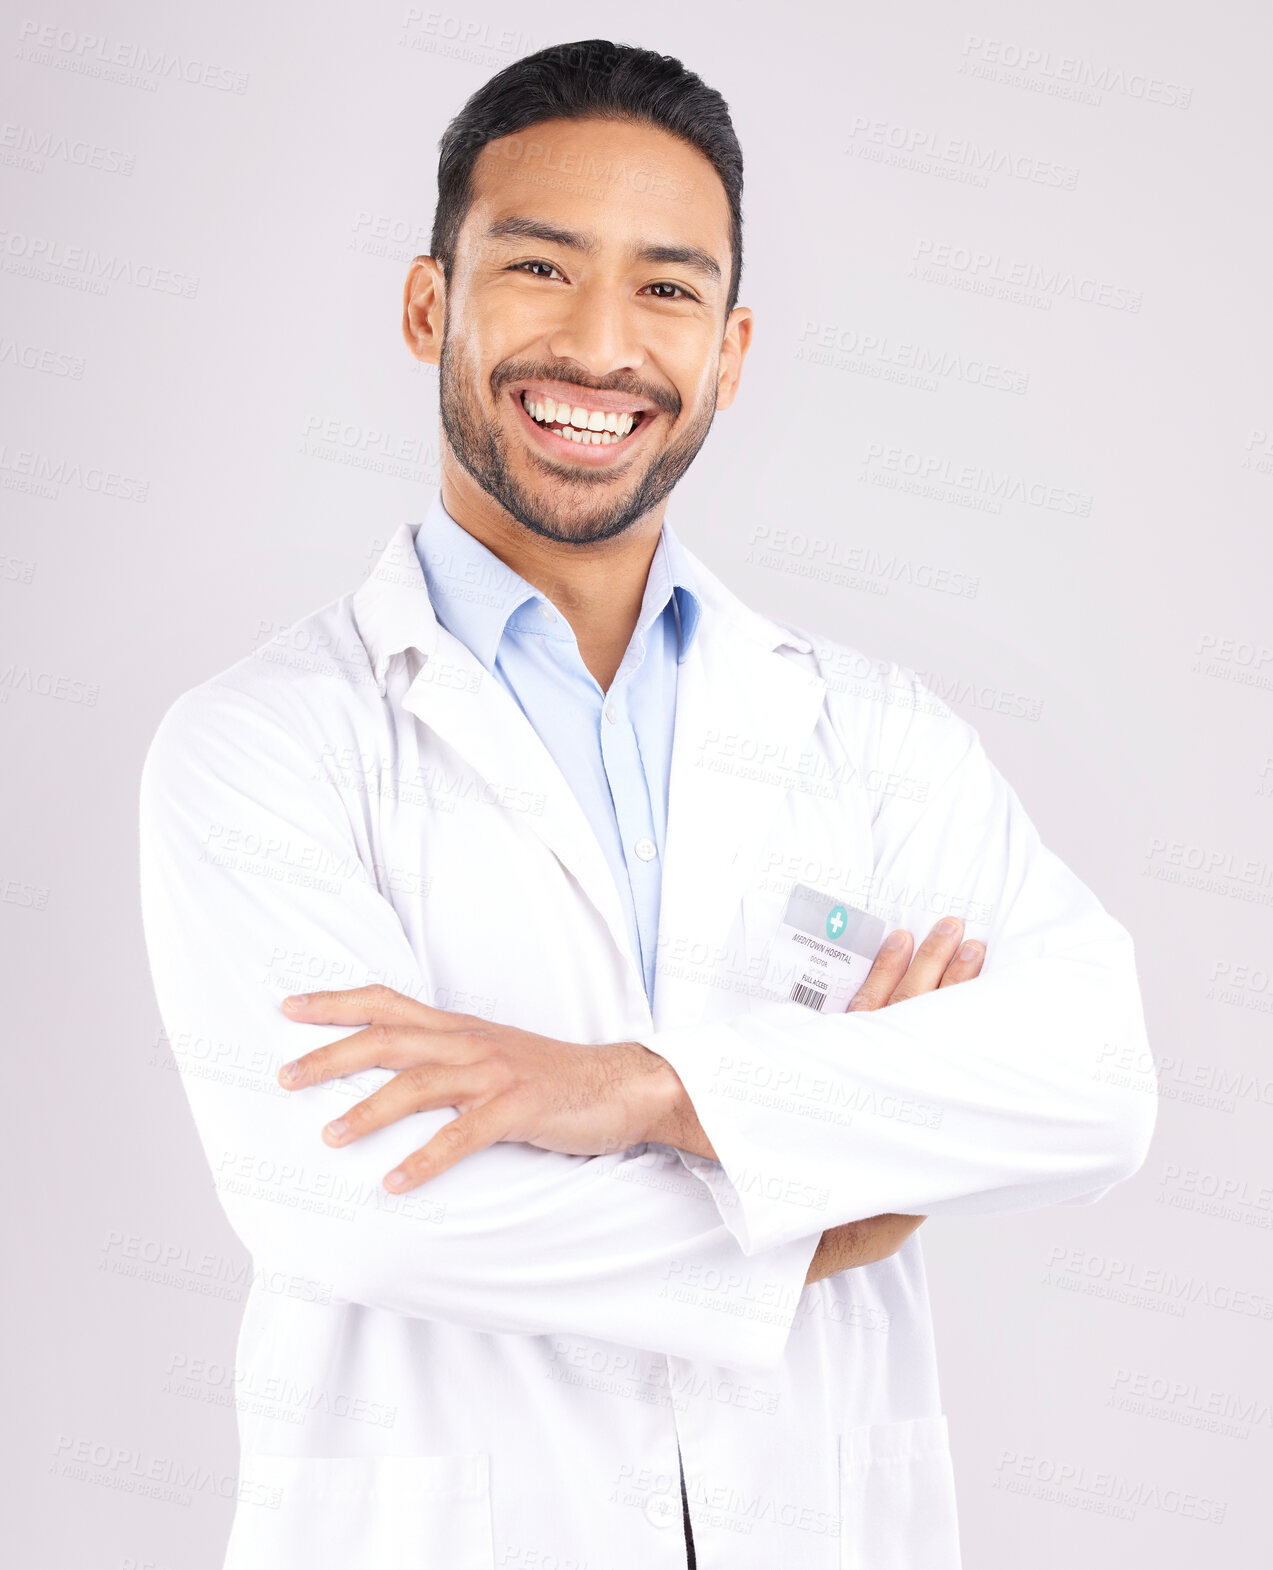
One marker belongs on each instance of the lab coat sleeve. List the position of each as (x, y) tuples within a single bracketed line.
[(996, 1095), (247, 854)]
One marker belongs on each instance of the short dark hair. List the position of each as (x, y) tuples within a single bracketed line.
[(593, 79)]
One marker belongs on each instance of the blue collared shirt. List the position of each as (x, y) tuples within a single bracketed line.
[(613, 748)]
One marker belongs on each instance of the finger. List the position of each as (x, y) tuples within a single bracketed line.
[(422, 1088), (378, 1046), (375, 1005), (888, 969), (965, 965), (931, 958), (463, 1136)]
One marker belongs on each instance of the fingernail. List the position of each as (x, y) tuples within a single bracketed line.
[(297, 1002), (969, 951), (947, 925), (337, 1128), (396, 1179), (289, 1073), (895, 940)]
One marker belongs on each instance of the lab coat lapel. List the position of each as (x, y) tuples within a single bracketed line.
[(469, 710), (457, 698), (744, 713)]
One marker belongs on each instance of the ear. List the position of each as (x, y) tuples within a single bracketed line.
[(733, 349), (423, 309)]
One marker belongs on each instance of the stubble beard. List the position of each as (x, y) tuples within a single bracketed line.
[(481, 450)]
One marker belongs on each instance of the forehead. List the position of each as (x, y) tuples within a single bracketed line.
[(616, 179)]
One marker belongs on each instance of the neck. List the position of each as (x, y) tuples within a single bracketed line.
[(598, 588)]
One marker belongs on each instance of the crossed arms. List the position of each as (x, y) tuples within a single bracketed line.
[(682, 1253), (512, 1085)]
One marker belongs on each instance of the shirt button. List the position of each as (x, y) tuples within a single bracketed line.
[(612, 714), (663, 1509), (547, 612), (646, 849)]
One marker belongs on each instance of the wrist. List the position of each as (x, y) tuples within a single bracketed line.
[(661, 1110), (665, 1113), (654, 1090)]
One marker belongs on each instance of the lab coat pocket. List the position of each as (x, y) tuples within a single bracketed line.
[(372, 1512), (897, 1497)]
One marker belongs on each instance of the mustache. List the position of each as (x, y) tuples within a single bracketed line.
[(507, 371)]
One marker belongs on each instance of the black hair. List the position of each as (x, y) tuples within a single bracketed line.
[(593, 79)]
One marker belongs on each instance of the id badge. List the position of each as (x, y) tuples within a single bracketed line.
[(823, 951)]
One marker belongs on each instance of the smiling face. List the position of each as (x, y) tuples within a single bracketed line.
[(584, 347)]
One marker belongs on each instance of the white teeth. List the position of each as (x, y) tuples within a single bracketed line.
[(592, 427)]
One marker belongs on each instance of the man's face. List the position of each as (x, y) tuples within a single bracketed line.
[(585, 347)]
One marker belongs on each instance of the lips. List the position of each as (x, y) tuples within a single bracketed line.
[(580, 424)]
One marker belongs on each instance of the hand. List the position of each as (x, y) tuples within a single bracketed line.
[(940, 961), (506, 1084)]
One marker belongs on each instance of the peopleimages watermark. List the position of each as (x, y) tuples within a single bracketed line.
[(25, 468), (852, 566), (117, 60), (23, 147), (948, 155), (38, 357), (1186, 1403), (912, 364), (465, 37), (1247, 878), (1022, 280), (1141, 1286), (1084, 1487), (51, 260), (968, 481), (1013, 64)]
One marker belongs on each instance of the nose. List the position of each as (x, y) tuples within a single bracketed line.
[(597, 331)]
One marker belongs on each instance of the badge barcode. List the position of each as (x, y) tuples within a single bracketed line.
[(809, 996)]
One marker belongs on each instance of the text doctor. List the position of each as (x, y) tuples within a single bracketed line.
[(517, 891)]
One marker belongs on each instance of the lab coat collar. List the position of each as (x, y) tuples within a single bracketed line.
[(744, 712), (394, 612)]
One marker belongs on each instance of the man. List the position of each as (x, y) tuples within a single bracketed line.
[(505, 919)]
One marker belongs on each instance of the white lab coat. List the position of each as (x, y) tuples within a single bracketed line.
[(498, 1368)]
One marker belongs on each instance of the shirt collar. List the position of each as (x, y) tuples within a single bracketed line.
[(392, 612), (672, 577), (477, 597), (474, 593)]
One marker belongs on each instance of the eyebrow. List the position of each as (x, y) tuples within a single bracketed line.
[(518, 228)]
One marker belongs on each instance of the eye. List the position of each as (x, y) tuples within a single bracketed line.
[(676, 288), (530, 267)]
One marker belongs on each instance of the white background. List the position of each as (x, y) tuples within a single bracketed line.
[(214, 438)]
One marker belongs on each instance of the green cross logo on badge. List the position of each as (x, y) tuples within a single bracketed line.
[(837, 920)]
